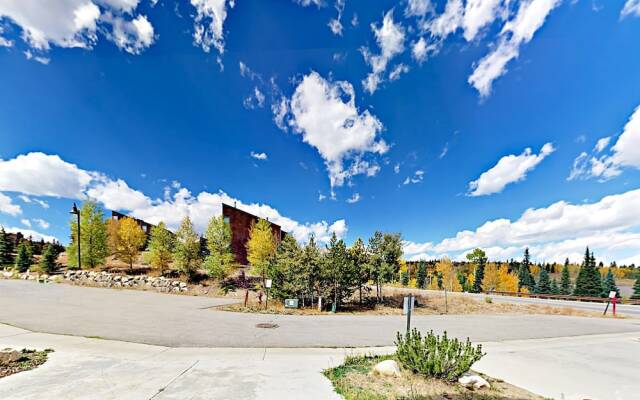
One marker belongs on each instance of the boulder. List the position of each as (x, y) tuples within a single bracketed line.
[(387, 368), (473, 381), (8, 356)]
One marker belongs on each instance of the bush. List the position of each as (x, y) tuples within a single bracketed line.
[(436, 356)]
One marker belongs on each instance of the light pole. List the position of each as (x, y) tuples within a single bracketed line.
[(74, 210)]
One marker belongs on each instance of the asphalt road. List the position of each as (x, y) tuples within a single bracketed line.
[(183, 321)]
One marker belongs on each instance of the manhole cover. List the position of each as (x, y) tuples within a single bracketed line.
[(267, 326)]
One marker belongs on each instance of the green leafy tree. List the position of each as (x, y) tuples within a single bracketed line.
[(6, 248), (261, 246), (23, 258), (93, 235), (479, 258), (339, 274), (609, 284), (48, 261), (588, 282), (636, 289), (421, 275), (220, 261), (544, 283), (360, 259), (160, 248), (565, 280), (186, 252)]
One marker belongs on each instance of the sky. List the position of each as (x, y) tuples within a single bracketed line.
[(499, 124)]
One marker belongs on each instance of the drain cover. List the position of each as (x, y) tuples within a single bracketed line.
[(266, 325)]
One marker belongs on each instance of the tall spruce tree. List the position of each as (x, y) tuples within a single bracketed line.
[(525, 279), (479, 258), (23, 259), (565, 280), (421, 276), (636, 289), (544, 284), (360, 259), (609, 285), (48, 261), (588, 282), (310, 266), (554, 286), (6, 248)]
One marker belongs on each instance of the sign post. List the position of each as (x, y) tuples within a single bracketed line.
[(267, 284), (407, 309), (613, 297)]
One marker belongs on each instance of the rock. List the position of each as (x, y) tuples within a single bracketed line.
[(183, 285), (473, 381), (8, 356), (387, 368)]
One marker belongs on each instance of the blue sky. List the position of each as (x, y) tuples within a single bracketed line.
[(443, 120)]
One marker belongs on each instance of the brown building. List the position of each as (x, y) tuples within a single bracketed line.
[(240, 222)]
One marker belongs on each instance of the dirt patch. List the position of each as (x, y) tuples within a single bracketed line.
[(25, 361), (354, 381)]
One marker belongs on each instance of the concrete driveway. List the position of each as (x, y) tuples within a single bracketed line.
[(184, 321)]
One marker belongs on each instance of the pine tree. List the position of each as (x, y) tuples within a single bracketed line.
[(288, 281), (421, 276), (565, 281), (588, 282), (636, 289), (360, 259), (525, 279), (479, 258), (48, 261), (310, 266), (338, 272), (554, 287), (544, 284), (609, 285), (23, 260), (6, 248)]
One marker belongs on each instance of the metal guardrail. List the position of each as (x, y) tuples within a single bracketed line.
[(563, 297)]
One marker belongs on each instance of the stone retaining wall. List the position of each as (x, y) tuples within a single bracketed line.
[(107, 279)]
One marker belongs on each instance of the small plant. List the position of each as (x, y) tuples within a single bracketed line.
[(436, 356), (488, 300)]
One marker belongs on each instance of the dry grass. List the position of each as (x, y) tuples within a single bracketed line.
[(354, 381)]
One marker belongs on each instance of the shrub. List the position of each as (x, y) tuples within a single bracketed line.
[(488, 300), (436, 356)]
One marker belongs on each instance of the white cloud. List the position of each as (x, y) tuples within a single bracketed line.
[(397, 71), (335, 24), (417, 177), (259, 156), (306, 3), (209, 23), (255, 100), (29, 200), (42, 60), (326, 115), (624, 153), (117, 195), (520, 30), (631, 7), (449, 21), (396, 168), (25, 222), (478, 14), (354, 198), (40, 174), (444, 151), (390, 37), (77, 23), (7, 206), (41, 223), (418, 8), (132, 36), (560, 230), (420, 49), (509, 169)]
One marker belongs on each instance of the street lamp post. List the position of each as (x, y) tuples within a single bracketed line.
[(74, 210)]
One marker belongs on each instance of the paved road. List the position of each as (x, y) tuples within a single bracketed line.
[(597, 367), (182, 321), (625, 309)]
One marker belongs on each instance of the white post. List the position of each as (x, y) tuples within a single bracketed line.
[(319, 303)]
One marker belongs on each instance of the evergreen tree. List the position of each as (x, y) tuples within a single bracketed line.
[(565, 280), (525, 279), (404, 278), (479, 258), (609, 285), (554, 287), (220, 260), (421, 276), (360, 259), (23, 260), (588, 282), (93, 235), (186, 253), (544, 284), (6, 248), (48, 262), (161, 244), (310, 266), (636, 289), (338, 272), (288, 281)]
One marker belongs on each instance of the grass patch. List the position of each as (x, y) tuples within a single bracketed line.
[(353, 380), (29, 359)]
